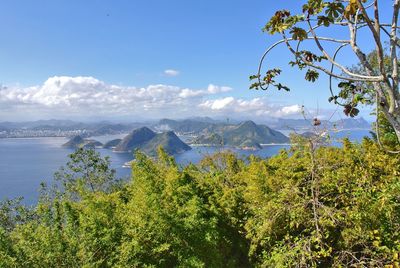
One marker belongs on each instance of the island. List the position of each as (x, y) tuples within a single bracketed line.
[(112, 144), (148, 141), (78, 142), (247, 135)]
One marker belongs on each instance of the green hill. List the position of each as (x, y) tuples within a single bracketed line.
[(247, 135), (249, 130), (112, 143), (74, 142), (92, 144), (135, 139), (148, 141), (78, 142), (210, 139), (168, 141)]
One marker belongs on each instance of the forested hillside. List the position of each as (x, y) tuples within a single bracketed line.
[(311, 206)]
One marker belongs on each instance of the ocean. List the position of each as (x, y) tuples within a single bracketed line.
[(26, 162)]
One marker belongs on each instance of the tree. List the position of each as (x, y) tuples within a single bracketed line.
[(357, 17), (86, 170)]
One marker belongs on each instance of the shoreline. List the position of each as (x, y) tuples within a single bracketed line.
[(240, 148)]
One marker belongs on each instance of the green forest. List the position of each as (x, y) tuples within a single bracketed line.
[(310, 206)]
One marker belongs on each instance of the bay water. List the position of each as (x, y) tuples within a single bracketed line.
[(26, 162)]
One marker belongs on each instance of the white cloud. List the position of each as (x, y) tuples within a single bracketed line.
[(213, 89), (218, 104), (256, 107), (88, 96), (83, 97), (289, 110), (171, 72)]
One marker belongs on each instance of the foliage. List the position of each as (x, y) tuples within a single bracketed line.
[(387, 135), (311, 206), (86, 170), (316, 28)]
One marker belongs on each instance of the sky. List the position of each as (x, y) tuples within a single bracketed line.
[(137, 60)]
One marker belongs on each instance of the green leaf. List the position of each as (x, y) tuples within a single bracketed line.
[(312, 75), (298, 33)]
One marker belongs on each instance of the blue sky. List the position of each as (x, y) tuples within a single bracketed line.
[(129, 44)]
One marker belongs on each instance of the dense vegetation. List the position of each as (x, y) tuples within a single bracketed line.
[(311, 206)]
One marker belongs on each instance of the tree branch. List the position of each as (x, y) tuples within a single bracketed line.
[(318, 43), (330, 77), (378, 138), (354, 79), (375, 30), (363, 60), (393, 44), (361, 55), (290, 39)]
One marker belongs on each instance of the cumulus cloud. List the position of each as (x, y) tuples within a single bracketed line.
[(81, 97), (211, 90), (171, 72), (256, 107), (288, 110), (89, 96)]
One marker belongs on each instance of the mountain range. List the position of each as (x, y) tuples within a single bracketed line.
[(192, 125)]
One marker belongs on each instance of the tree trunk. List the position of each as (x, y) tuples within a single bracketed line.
[(393, 120)]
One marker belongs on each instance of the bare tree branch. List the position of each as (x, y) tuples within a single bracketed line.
[(375, 30), (345, 70), (290, 39), (318, 67), (389, 35), (330, 77), (393, 44)]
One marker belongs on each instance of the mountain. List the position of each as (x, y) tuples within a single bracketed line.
[(185, 126), (247, 135), (168, 141), (112, 144), (250, 145), (249, 131), (148, 141), (74, 142), (350, 123), (110, 129), (78, 142), (209, 139), (92, 144), (205, 119), (135, 139)]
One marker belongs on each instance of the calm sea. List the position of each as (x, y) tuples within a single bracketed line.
[(25, 163)]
